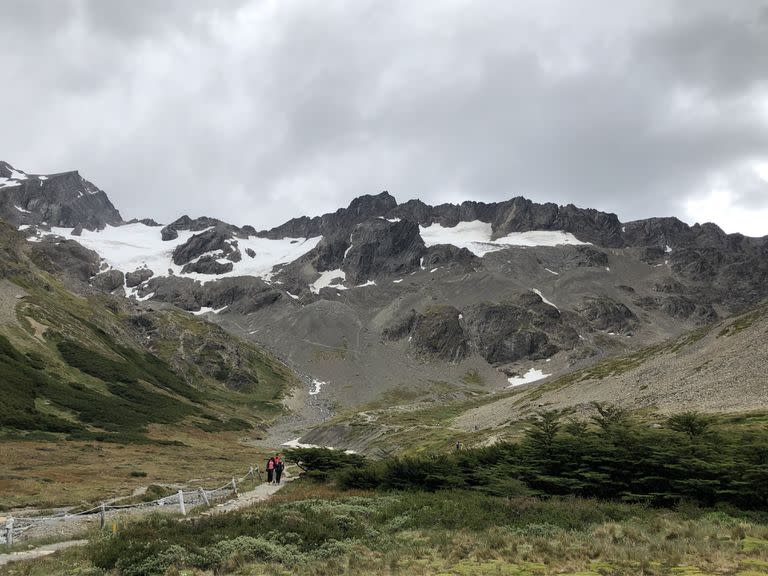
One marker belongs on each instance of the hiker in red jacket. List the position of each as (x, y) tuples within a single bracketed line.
[(270, 469)]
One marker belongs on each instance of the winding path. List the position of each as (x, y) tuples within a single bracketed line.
[(261, 493)]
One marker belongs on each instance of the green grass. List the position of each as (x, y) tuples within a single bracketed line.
[(314, 530)]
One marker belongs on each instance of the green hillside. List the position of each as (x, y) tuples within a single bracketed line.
[(92, 366)]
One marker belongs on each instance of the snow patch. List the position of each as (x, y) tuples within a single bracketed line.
[(294, 296), (369, 283), (475, 236), (532, 375), (7, 183), (16, 175), (317, 385), (133, 246), (326, 278), (540, 295), (552, 272), (20, 209), (667, 249), (206, 310), (397, 281)]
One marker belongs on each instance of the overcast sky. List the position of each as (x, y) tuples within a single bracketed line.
[(258, 111)]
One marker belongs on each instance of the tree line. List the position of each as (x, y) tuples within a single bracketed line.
[(611, 456)]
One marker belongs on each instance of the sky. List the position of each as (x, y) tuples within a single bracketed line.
[(258, 111)]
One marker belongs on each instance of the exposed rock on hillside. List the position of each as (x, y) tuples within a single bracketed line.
[(438, 334), (523, 329), (136, 277), (379, 247), (65, 200), (65, 257), (607, 314), (108, 281)]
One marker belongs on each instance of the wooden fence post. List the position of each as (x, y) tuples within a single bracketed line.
[(182, 509), (251, 474), (103, 516), (9, 531), (205, 497), (259, 473), (234, 487)]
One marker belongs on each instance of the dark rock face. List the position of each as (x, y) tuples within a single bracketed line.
[(400, 327), (136, 277), (337, 223), (208, 265), (181, 292), (520, 215), (67, 257), (215, 239), (242, 294), (607, 314), (658, 232), (586, 257), (171, 232), (679, 307), (379, 247), (438, 334), (523, 329), (443, 254), (168, 234), (108, 281), (66, 200)]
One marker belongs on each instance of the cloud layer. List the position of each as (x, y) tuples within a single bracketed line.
[(258, 111)]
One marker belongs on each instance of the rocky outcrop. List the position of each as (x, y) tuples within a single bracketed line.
[(609, 315), (379, 247), (525, 328), (438, 335), (218, 239), (447, 254), (240, 294), (337, 223), (399, 328), (207, 265), (585, 257), (138, 276), (679, 307), (66, 257), (65, 200), (171, 231), (108, 281)]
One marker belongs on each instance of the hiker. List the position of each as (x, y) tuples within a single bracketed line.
[(270, 469), (279, 467)]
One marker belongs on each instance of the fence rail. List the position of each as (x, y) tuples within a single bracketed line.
[(185, 499)]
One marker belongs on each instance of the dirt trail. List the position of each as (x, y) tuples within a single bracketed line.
[(46, 550), (261, 493)]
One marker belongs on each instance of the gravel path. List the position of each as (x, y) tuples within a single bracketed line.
[(39, 552), (261, 493)]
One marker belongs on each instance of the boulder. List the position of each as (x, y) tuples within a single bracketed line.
[(108, 281), (138, 276)]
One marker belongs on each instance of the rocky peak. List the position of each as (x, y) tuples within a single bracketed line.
[(65, 199)]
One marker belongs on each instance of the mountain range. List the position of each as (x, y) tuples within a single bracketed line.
[(381, 305)]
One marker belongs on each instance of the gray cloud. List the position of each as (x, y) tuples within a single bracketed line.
[(259, 111)]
